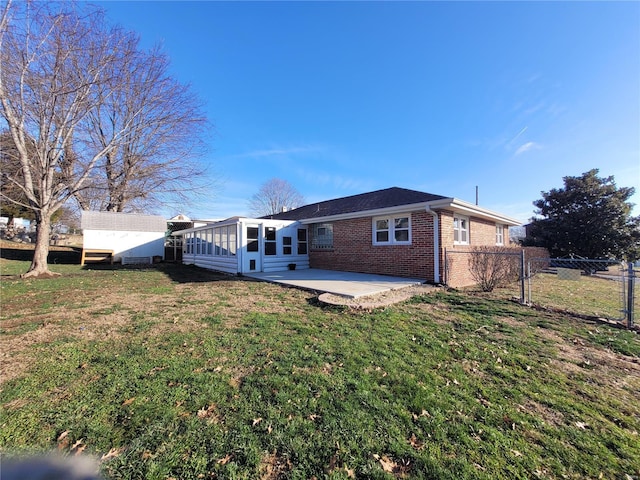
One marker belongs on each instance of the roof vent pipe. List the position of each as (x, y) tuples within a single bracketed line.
[(436, 245)]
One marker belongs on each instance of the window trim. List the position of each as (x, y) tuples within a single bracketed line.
[(325, 244), (499, 234), (270, 241), (287, 245), (460, 230), (302, 244), (391, 229)]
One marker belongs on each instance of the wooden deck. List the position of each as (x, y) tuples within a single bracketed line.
[(95, 255)]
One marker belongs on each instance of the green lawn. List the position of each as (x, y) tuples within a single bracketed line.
[(176, 372), (597, 295)]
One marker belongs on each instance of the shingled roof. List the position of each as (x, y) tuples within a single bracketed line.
[(122, 222), (389, 197)]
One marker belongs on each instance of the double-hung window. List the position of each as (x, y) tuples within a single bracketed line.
[(322, 236), (392, 230), (269, 240), (460, 230), (302, 241)]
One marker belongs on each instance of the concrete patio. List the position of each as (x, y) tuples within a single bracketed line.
[(345, 284)]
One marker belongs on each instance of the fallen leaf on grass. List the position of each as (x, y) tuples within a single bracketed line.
[(225, 460), (78, 447), (423, 413), (113, 453), (206, 412), (128, 402), (388, 465), (63, 440), (256, 421), (415, 443), (516, 453), (582, 425)]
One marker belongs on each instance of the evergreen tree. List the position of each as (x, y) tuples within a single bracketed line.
[(590, 217)]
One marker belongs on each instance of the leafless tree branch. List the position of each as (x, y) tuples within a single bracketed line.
[(275, 196)]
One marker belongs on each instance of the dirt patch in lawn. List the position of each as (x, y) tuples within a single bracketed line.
[(118, 313), (603, 367)]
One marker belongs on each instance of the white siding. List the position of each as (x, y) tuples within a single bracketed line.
[(233, 264), (226, 265), (279, 263), (125, 243)]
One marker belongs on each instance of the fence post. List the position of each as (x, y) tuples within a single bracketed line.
[(529, 282), (522, 275), (630, 295)]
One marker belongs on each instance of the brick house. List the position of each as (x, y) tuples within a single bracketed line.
[(394, 231)]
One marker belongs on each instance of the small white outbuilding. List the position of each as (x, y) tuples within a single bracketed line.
[(132, 237)]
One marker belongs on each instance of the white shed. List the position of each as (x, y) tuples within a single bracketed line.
[(132, 237), (240, 245)]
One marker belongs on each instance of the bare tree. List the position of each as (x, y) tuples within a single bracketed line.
[(92, 117), (164, 126), (275, 196), (52, 73)]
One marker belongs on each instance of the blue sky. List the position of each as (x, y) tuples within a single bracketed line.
[(341, 98)]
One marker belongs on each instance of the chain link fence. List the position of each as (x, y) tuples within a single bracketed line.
[(602, 289)]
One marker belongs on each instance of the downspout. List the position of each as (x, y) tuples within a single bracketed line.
[(436, 245)]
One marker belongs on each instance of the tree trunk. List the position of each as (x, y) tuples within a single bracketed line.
[(39, 267)]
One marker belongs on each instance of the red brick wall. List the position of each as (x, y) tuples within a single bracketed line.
[(481, 232), (353, 250)]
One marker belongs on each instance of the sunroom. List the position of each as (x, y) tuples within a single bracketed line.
[(240, 245)]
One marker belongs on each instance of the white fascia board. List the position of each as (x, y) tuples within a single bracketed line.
[(413, 207), (460, 206), (205, 227), (454, 204), (235, 221)]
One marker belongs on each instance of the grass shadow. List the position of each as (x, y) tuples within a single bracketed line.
[(70, 256), (178, 273)]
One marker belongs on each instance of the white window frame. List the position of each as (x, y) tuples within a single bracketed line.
[(499, 234), (462, 232), (391, 222), (304, 243), (322, 241)]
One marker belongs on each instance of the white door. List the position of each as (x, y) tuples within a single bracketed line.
[(252, 250)]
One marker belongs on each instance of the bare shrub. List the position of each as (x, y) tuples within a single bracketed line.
[(493, 267)]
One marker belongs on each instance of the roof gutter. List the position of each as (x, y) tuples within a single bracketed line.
[(460, 206), (436, 244)]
